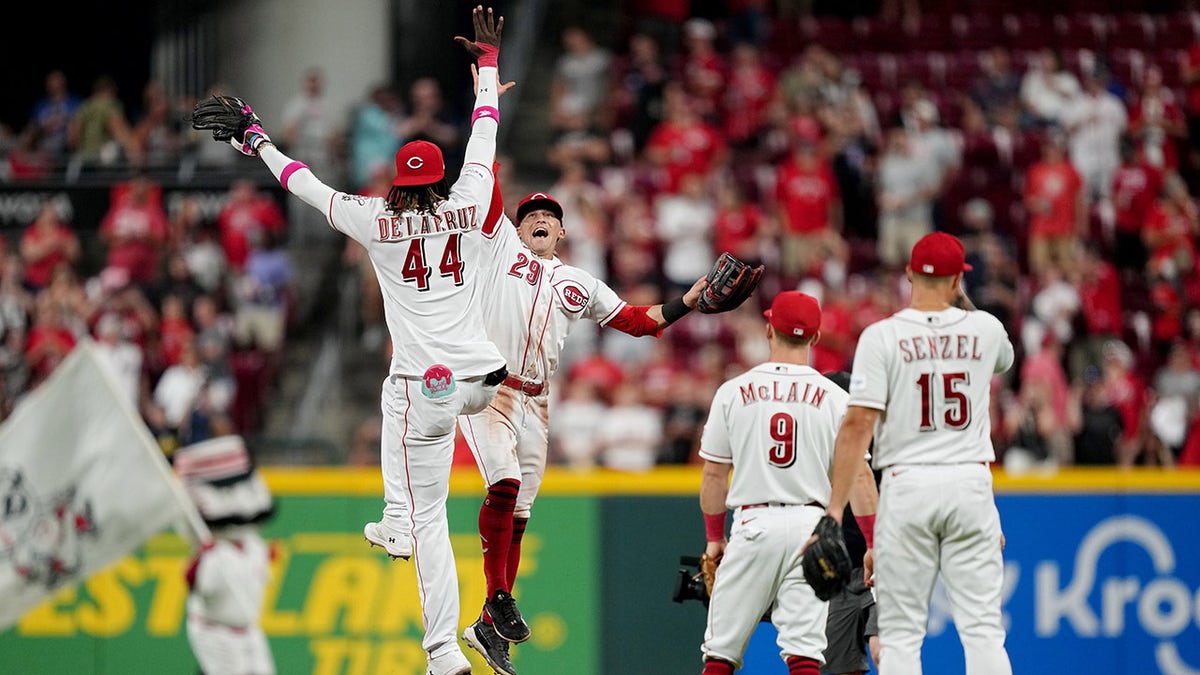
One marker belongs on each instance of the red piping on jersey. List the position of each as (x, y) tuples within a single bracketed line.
[(634, 320), (412, 506), (609, 317), (329, 212), (529, 326), (495, 208)]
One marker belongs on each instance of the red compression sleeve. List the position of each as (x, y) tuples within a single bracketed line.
[(867, 525), (714, 526), (634, 320)]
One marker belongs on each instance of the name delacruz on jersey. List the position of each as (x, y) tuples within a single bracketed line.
[(406, 226)]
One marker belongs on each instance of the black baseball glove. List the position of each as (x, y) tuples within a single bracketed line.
[(231, 121), (730, 282), (826, 561)]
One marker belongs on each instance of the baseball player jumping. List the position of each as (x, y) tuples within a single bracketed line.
[(921, 384), (531, 304), (774, 428), (423, 240)]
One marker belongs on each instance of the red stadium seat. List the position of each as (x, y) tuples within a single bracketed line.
[(1028, 32), (977, 31), (1176, 31), (915, 65), (876, 34), (1128, 66), (1170, 62), (1079, 31), (928, 32), (831, 32), (961, 69), (1130, 31), (1079, 61)]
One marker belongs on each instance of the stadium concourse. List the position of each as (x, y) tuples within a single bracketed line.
[(1056, 140)]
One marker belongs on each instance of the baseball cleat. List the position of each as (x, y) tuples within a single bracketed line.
[(450, 663), (506, 618), (483, 638), (397, 544)]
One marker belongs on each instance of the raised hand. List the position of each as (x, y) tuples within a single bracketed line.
[(488, 29)]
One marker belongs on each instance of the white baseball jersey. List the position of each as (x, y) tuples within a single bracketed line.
[(532, 304), (776, 424), (427, 263), (932, 372)]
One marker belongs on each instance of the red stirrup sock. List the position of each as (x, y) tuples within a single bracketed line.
[(802, 665), (514, 551), (717, 667), (495, 531)]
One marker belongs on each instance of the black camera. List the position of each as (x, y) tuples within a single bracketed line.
[(689, 583)]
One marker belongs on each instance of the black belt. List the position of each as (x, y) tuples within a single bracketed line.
[(761, 505), (495, 377)]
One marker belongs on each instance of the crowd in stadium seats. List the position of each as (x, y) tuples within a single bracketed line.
[(1057, 142), (1054, 141)]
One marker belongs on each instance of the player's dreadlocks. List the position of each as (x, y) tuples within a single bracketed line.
[(403, 198)]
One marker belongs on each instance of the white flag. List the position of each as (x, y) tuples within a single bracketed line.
[(82, 484)]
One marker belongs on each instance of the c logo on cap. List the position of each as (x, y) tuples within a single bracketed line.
[(415, 162)]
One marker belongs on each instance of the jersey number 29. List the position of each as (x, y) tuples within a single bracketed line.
[(957, 415)]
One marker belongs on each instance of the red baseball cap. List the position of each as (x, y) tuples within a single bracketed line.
[(794, 313), (938, 255), (538, 200), (419, 163)]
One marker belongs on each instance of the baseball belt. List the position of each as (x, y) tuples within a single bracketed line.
[(525, 386)]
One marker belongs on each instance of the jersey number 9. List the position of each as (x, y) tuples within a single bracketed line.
[(783, 431)]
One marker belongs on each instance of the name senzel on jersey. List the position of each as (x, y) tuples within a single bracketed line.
[(761, 393), (407, 226), (940, 347)]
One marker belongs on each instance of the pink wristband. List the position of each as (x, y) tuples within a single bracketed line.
[(486, 112), (867, 525), (714, 526), (288, 171), (490, 56)]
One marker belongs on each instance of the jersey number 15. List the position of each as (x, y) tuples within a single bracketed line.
[(957, 414)]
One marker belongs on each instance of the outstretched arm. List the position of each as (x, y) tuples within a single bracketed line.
[(485, 119)]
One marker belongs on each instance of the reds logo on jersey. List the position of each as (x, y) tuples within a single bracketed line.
[(574, 298)]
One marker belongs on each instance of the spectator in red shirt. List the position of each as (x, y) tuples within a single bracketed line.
[(702, 68), (682, 143), (1157, 121), (1136, 186), (1125, 391), (1100, 300), (739, 225), (244, 216), (46, 244), (1171, 227), (175, 330), (746, 97), (810, 213), (49, 343), (1055, 199), (134, 229)]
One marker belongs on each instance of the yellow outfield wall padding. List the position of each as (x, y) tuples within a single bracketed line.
[(685, 480)]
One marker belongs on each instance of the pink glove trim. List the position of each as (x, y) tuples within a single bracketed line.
[(288, 171), (714, 526), (487, 112), (490, 56)]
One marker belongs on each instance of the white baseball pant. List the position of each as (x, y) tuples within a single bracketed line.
[(939, 518), (762, 566), (509, 440), (417, 447)]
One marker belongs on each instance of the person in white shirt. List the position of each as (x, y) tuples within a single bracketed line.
[(1094, 120)]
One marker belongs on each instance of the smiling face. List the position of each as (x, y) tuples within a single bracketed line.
[(541, 231)]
